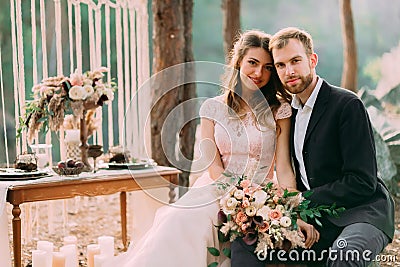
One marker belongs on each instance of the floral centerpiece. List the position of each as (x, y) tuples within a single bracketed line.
[(265, 216), (56, 97)]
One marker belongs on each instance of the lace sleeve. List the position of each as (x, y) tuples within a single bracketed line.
[(209, 108), (284, 111)]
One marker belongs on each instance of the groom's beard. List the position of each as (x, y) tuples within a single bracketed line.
[(301, 86)]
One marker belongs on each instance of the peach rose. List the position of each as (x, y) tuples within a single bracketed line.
[(275, 214), (245, 183), (263, 227), (240, 217)]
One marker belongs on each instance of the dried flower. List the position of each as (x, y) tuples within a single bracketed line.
[(58, 97)]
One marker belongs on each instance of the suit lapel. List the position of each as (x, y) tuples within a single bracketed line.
[(319, 109), (293, 124)]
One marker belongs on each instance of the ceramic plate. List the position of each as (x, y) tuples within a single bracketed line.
[(16, 174)]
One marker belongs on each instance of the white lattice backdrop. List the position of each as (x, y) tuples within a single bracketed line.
[(116, 33), (117, 37)]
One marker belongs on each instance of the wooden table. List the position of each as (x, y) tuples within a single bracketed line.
[(101, 184)]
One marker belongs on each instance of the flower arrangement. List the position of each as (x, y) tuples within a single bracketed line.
[(264, 214), (55, 97)]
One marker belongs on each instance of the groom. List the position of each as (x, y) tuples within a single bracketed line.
[(333, 150)]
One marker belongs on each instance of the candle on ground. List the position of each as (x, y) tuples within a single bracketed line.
[(92, 250), (70, 240), (39, 258), (48, 248), (100, 259), (106, 244), (71, 255), (58, 259)]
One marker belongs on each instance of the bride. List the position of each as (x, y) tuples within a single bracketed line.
[(245, 130)]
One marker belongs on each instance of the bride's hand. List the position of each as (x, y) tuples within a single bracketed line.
[(309, 232)]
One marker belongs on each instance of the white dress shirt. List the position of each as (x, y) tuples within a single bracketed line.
[(302, 119)]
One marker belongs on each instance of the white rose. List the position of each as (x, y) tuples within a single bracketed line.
[(239, 194), (263, 212), (260, 197), (280, 208), (231, 203), (89, 90), (251, 211), (285, 221), (77, 93)]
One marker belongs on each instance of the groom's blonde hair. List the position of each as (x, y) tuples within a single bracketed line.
[(281, 39)]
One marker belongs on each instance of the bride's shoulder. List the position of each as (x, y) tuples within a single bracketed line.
[(211, 106), (284, 110)]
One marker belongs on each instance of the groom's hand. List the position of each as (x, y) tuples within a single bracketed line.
[(309, 232)]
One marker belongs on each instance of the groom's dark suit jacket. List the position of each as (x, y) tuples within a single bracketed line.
[(339, 158)]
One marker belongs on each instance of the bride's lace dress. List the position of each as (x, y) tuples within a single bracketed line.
[(181, 233)]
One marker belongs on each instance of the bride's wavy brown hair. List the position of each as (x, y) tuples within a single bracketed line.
[(272, 91)]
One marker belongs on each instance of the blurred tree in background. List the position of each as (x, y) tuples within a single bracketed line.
[(375, 31)]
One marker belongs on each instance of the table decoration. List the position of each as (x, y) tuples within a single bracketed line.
[(26, 162), (43, 154), (119, 155), (94, 152), (78, 95)]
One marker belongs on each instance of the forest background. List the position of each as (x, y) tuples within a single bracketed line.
[(376, 34)]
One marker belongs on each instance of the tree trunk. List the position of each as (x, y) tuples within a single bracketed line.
[(187, 135), (172, 44), (349, 74), (168, 50), (230, 23)]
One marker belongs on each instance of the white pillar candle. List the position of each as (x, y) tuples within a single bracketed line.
[(48, 248), (92, 250), (58, 259), (71, 255), (70, 240), (39, 258), (100, 259), (106, 245)]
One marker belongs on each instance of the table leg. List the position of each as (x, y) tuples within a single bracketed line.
[(123, 220), (16, 223)]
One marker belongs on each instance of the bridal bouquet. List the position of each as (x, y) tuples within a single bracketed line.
[(265, 215)]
